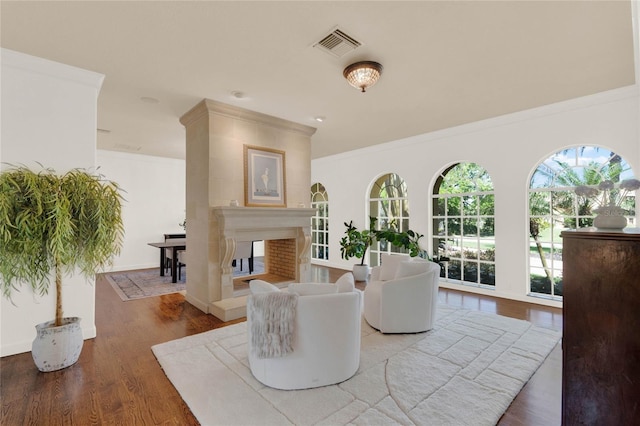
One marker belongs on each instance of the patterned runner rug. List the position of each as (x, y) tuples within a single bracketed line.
[(132, 285)]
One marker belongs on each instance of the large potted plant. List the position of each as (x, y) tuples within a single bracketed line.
[(409, 240), (355, 243), (51, 225)]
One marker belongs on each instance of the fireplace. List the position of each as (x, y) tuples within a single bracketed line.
[(286, 232), (216, 136)]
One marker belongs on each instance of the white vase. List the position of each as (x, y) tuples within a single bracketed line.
[(55, 348), (610, 217), (360, 272)]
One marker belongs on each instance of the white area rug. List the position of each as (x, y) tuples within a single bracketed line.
[(466, 371)]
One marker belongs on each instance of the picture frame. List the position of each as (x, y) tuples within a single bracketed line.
[(264, 177)]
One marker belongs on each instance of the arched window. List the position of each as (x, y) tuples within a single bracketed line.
[(464, 225), (320, 223), (554, 207), (388, 203)]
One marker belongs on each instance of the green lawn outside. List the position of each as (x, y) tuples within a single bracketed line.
[(545, 238)]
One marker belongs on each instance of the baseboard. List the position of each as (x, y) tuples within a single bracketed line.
[(121, 268), (525, 298), (25, 345), (16, 348), (203, 306)]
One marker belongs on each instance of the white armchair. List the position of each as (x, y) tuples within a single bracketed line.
[(325, 341), (402, 295)]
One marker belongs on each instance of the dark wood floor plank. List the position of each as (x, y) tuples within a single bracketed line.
[(117, 380)]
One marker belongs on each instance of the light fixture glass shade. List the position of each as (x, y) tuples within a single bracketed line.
[(363, 75)]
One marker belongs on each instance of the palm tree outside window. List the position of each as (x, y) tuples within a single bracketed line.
[(555, 207)]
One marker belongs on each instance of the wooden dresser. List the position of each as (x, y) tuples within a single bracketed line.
[(601, 327)]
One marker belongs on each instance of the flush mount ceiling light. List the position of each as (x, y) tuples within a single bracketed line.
[(363, 75)]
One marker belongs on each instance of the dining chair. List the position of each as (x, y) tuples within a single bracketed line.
[(244, 250), (168, 256), (182, 261)]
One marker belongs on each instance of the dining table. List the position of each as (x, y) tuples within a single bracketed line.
[(175, 245)]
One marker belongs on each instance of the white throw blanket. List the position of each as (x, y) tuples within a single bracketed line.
[(272, 317)]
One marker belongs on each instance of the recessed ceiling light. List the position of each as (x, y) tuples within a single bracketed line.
[(237, 94), (125, 147), (319, 118), (149, 100)]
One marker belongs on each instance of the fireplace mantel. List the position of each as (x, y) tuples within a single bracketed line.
[(240, 220), (228, 225)]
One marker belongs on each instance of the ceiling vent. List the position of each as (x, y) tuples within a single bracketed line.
[(337, 43)]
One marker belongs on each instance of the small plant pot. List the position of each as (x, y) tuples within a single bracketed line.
[(55, 348), (360, 272), (610, 217)]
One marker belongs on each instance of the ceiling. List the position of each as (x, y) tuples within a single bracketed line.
[(446, 63)]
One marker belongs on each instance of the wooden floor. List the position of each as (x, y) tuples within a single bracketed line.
[(117, 380)]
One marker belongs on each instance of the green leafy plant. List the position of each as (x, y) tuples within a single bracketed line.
[(51, 222), (355, 243), (408, 240)]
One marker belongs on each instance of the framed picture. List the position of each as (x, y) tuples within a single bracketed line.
[(264, 177)]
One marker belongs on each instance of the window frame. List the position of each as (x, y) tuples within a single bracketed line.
[(445, 218), (401, 220), (321, 216), (553, 176)]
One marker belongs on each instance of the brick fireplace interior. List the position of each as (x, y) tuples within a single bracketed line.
[(279, 266)]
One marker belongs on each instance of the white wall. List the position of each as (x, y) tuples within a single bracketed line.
[(48, 115), (508, 147), (155, 194)]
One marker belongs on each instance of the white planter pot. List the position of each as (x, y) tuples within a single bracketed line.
[(360, 272), (610, 217), (55, 348)]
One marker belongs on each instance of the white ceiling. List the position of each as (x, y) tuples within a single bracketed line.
[(445, 63)]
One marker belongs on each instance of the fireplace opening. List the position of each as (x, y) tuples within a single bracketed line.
[(274, 261)]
